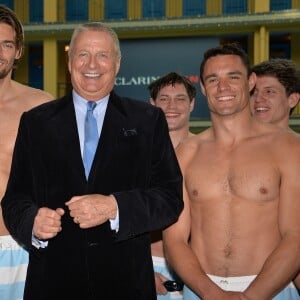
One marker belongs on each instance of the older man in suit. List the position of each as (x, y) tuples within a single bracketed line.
[(87, 225)]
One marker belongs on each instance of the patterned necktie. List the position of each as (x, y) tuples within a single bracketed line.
[(90, 138)]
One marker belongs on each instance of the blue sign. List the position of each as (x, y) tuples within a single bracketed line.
[(144, 60)]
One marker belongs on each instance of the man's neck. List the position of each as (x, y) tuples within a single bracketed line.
[(177, 136), (283, 123), (5, 88)]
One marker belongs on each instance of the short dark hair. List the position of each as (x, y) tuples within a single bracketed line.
[(171, 79), (7, 16), (284, 70), (226, 49)]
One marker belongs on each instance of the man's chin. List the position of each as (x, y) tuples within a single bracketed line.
[(4, 73), (263, 118)]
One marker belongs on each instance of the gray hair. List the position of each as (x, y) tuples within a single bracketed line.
[(96, 26)]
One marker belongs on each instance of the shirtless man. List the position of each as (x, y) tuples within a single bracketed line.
[(276, 94), (239, 234), (175, 95), (15, 98)]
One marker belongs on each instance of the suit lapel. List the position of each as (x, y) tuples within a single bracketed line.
[(66, 127)]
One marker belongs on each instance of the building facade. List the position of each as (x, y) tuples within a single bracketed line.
[(265, 28)]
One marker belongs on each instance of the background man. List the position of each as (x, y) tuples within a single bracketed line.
[(91, 213), (175, 95), (238, 236), (276, 94), (15, 98), (277, 91)]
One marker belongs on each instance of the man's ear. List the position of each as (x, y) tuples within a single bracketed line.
[(152, 101), (293, 99), (252, 81), (192, 104), (202, 88), (118, 64), (69, 65), (19, 53)]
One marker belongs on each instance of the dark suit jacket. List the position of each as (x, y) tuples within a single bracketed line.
[(135, 161)]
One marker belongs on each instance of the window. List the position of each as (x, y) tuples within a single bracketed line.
[(280, 45), (115, 9), (35, 65), (8, 3), (194, 7), (234, 6), (279, 4), (36, 10), (76, 10), (154, 8)]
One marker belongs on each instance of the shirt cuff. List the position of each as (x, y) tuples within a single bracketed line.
[(38, 243), (114, 223)]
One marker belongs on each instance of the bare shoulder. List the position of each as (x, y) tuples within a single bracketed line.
[(287, 138), (31, 95), (189, 148), (275, 135), (286, 147), (17, 98)]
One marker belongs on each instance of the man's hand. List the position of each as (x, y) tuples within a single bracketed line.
[(159, 279), (47, 223), (92, 210)]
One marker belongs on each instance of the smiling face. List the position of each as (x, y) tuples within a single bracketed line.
[(8, 50), (175, 103), (93, 64), (225, 84), (269, 102)]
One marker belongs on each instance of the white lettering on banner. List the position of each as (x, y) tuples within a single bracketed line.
[(138, 80), (146, 80)]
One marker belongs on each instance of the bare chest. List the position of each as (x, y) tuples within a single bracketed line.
[(243, 173), (9, 123)]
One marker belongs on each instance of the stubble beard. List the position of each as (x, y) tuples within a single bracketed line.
[(7, 68), (4, 73)]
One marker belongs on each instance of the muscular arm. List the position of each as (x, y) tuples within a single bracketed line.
[(297, 282), (179, 253), (284, 262)]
